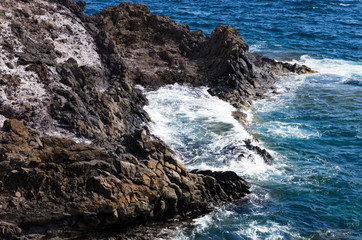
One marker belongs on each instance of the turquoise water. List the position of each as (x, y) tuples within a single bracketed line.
[(312, 126)]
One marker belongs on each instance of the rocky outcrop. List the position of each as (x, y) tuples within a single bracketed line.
[(50, 186), (158, 51), (64, 75), (75, 155)]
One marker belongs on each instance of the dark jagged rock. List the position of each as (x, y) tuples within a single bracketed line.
[(167, 52), (258, 150), (67, 77), (233, 186), (75, 77)]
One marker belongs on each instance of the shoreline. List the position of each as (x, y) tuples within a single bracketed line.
[(84, 69)]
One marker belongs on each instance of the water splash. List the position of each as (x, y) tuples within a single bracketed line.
[(202, 130), (350, 72)]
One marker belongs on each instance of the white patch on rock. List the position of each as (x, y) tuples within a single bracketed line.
[(62, 133), (69, 36), (73, 40), (7, 35), (45, 3), (30, 91), (2, 120)]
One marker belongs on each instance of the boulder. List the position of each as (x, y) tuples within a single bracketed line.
[(15, 127)]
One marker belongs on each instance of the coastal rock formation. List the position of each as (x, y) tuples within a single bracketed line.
[(61, 74), (159, 51), (76, 155), (51, 185)]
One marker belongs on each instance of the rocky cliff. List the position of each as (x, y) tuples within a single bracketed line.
[(75, 155), (158, 51)]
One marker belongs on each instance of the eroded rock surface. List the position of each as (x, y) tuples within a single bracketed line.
[(75, 156), (61, 75), (51, 185), (158, 51)]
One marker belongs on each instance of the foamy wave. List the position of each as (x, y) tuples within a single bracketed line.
[(182, 104), (245, 228), (255, 166), (201, 128), (257, 47), (291, 130), (202, 224), (343, 68), (269, 231)]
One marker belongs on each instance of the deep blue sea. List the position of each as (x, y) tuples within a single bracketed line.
[(312, 127)]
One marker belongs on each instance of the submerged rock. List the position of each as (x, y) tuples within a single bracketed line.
[(75, 156)]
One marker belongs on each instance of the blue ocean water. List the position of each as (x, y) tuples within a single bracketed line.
[(312, 126)]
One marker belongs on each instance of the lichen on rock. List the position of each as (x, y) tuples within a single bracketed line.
[(75, 155)]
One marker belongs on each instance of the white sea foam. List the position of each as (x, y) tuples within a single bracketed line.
[(291, 130), (247, 228), (176, 109), (257, 47), (269, 231), (252, 167), (343, 68), (202, 130), (330, 71)]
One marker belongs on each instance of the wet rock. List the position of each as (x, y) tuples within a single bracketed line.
[(232, 186), (71, 75), (261, 152), (221, 61)]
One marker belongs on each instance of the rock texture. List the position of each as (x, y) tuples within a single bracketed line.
[(158, 51), (75, 155), (51, 185), (61, 74)]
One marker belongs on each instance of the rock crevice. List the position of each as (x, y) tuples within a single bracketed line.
[(59, 184), (75, 155), (166, 52)]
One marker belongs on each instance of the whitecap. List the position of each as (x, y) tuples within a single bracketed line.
[(257, 47), (269, 230), (343, 68), (202, 130), (291, 130)]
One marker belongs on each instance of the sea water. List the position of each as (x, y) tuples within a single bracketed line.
[(311, 126)]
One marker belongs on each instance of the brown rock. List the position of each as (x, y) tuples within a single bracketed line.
[(124, 176), (8, 230), (16, 127)]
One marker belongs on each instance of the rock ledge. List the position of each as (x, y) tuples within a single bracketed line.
[(75, 155)]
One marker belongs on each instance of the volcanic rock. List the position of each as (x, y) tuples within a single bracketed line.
[(167, 52), (65, 186), (75, 155)]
